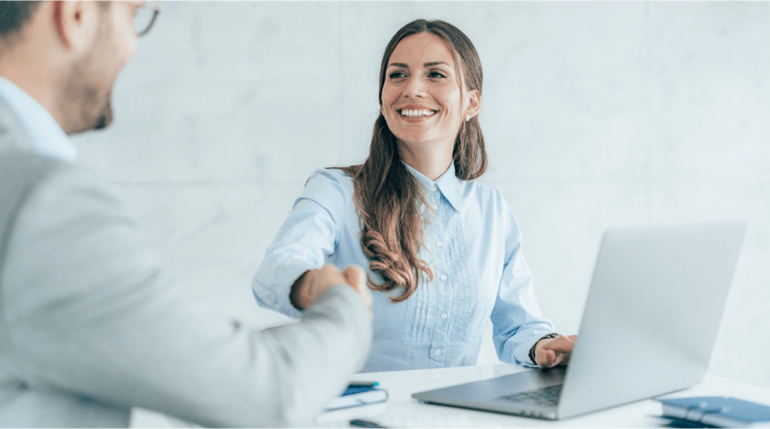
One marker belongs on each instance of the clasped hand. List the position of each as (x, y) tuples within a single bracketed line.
[(313, 283)]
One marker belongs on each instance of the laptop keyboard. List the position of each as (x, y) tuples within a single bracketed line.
[(547, 396)]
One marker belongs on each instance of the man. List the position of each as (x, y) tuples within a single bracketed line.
[(89, 324)]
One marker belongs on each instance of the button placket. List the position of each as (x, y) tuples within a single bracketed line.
[(438, 347)]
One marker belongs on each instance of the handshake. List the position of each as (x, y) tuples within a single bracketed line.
[(313, 283)]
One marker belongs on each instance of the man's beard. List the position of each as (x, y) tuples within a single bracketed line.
[(85, 105), (105, 119)]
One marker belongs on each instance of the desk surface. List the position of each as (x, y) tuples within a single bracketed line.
[(401, 410)]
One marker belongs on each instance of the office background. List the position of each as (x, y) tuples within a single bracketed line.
[(596, 115)]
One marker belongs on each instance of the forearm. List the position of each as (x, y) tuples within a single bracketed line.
[(327, 346), (98, 319), (299, 368), (191, 363)]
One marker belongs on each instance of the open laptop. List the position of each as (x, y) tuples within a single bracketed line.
[(649, 326)]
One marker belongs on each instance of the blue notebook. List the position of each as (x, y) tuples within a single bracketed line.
[(717, 411), (356, 396)]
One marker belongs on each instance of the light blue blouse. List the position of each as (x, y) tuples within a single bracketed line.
[(473, 243)]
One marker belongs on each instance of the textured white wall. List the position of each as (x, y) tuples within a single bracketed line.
[(596, 115)]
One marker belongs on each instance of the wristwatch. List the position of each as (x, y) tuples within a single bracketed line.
[(532, 350)]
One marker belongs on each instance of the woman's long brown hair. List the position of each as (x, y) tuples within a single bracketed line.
[(387, 196)]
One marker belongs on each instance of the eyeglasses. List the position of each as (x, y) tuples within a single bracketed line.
[(146, 14)]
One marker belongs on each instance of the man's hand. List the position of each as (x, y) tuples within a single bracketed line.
[(551, 352), (311, 285), (356, 277)]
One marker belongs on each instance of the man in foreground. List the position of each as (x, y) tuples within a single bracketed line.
[(90, 326)]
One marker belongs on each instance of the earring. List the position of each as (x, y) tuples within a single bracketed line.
[(467, 118)]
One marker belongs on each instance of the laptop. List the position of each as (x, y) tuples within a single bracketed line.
[(649, 326)]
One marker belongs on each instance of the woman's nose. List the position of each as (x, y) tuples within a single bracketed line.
[(414, 88)]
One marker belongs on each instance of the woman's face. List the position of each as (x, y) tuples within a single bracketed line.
[(421, 99)]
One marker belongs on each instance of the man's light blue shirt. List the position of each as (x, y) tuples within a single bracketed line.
[(46, 134), (473, 243)]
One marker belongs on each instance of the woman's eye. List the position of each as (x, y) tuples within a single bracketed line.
[(437, 74), (396, 75)]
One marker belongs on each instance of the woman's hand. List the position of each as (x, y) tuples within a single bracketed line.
[(551, 352), (311, 285)]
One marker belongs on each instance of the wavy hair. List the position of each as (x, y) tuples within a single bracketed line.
[(387, 196)]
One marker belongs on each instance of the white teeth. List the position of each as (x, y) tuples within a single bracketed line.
[(417, 113)]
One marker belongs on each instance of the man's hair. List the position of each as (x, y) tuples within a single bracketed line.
[(13, 16)]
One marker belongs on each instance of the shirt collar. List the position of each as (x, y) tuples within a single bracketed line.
[(448, 184), (46, 134)]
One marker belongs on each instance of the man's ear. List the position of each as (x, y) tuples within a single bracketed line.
[(77, 23), (474, 103)]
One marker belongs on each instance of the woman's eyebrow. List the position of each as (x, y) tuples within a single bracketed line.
[(436, 63), (430, 64)]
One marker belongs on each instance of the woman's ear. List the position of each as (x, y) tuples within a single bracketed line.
[(474, 103), (77, 23)]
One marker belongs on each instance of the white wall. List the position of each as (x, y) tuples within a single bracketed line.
[(596, 115)]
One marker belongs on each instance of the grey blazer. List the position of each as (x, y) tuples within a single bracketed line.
[(90, 325)]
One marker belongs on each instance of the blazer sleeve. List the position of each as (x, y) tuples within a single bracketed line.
[(516, 317), (90, 311), (308, 236)]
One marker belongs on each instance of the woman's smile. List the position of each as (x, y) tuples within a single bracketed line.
[(415, 113)]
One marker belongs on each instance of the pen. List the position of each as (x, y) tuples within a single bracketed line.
[(364, 384), (365, 424)]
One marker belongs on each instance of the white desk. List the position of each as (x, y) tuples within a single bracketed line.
[(401, 385), (402, 409)]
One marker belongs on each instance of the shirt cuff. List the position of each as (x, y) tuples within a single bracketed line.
[(276, 296)]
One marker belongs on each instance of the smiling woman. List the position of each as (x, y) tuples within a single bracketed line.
[(424, 98), (442, 252)]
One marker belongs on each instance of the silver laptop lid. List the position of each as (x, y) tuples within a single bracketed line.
[(652, 314)]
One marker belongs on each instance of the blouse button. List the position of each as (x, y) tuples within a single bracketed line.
[(444, 315), (433, 188), (434, 206), (439, 243), (443, 277), (438, 352)]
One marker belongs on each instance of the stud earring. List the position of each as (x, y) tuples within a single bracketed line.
[(467, 118)]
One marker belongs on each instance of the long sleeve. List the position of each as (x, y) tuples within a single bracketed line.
[(516, 316), (91, 314), (305, 240)]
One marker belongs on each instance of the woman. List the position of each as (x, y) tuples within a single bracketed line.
[(443, 254)]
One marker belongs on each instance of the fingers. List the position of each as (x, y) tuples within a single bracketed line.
[(561, 344), (555, 351), (329, 275), (548, 358), (320, 281), (356, 277)]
